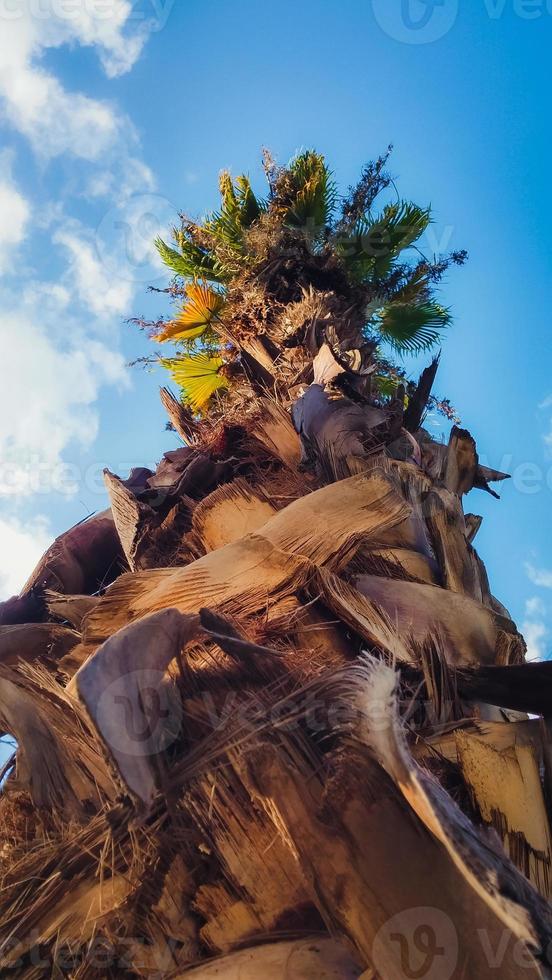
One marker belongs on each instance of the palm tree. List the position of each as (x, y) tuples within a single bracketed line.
[(270, 719)]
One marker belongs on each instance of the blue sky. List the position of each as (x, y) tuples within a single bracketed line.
[(115, 114)]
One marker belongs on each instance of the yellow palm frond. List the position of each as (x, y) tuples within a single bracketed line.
[(175, 331), (201, 307), (199, 377)]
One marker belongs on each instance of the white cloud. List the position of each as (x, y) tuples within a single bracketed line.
[(134, 178), (54, 119), (535, 630), (14, 215), (100, 24), (21, 547), (53, 372), (535, 633), (535, 607), (539, 576), (97, 289)]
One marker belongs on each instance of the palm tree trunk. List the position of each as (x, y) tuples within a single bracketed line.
[(270, 719)]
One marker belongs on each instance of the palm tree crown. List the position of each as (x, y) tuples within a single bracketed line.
[(297, 268)]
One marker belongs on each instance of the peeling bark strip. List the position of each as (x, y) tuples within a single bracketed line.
[(523, 687), (82, 560), (506, 787), (229, 513), (271, 562), (130, 701), (180, 417), (220, 771), (35, 641), (70, 609), (470, 633), (274, 430), (134, 520), (339, 435)]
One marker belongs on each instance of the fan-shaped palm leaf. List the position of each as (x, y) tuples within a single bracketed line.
[(371, 250), (198, 377), (415, 288), (226, 225), (203, 305), (175, 331), (411, 327), (201, 308), (386, 385)]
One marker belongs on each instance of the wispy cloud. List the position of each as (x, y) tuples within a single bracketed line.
[(15, 212), (535, 634), (539, 576), (21, 546), (56, 371), (54, 119), (536, 624), (535, 607), (535, 629), (99, 291)]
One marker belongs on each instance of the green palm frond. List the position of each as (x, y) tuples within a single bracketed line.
[(226, 225), (251, 207), (190, 262), (239, 209), (375, 244), (387, 385), (412, 327), (415, 287), (310, 193)]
